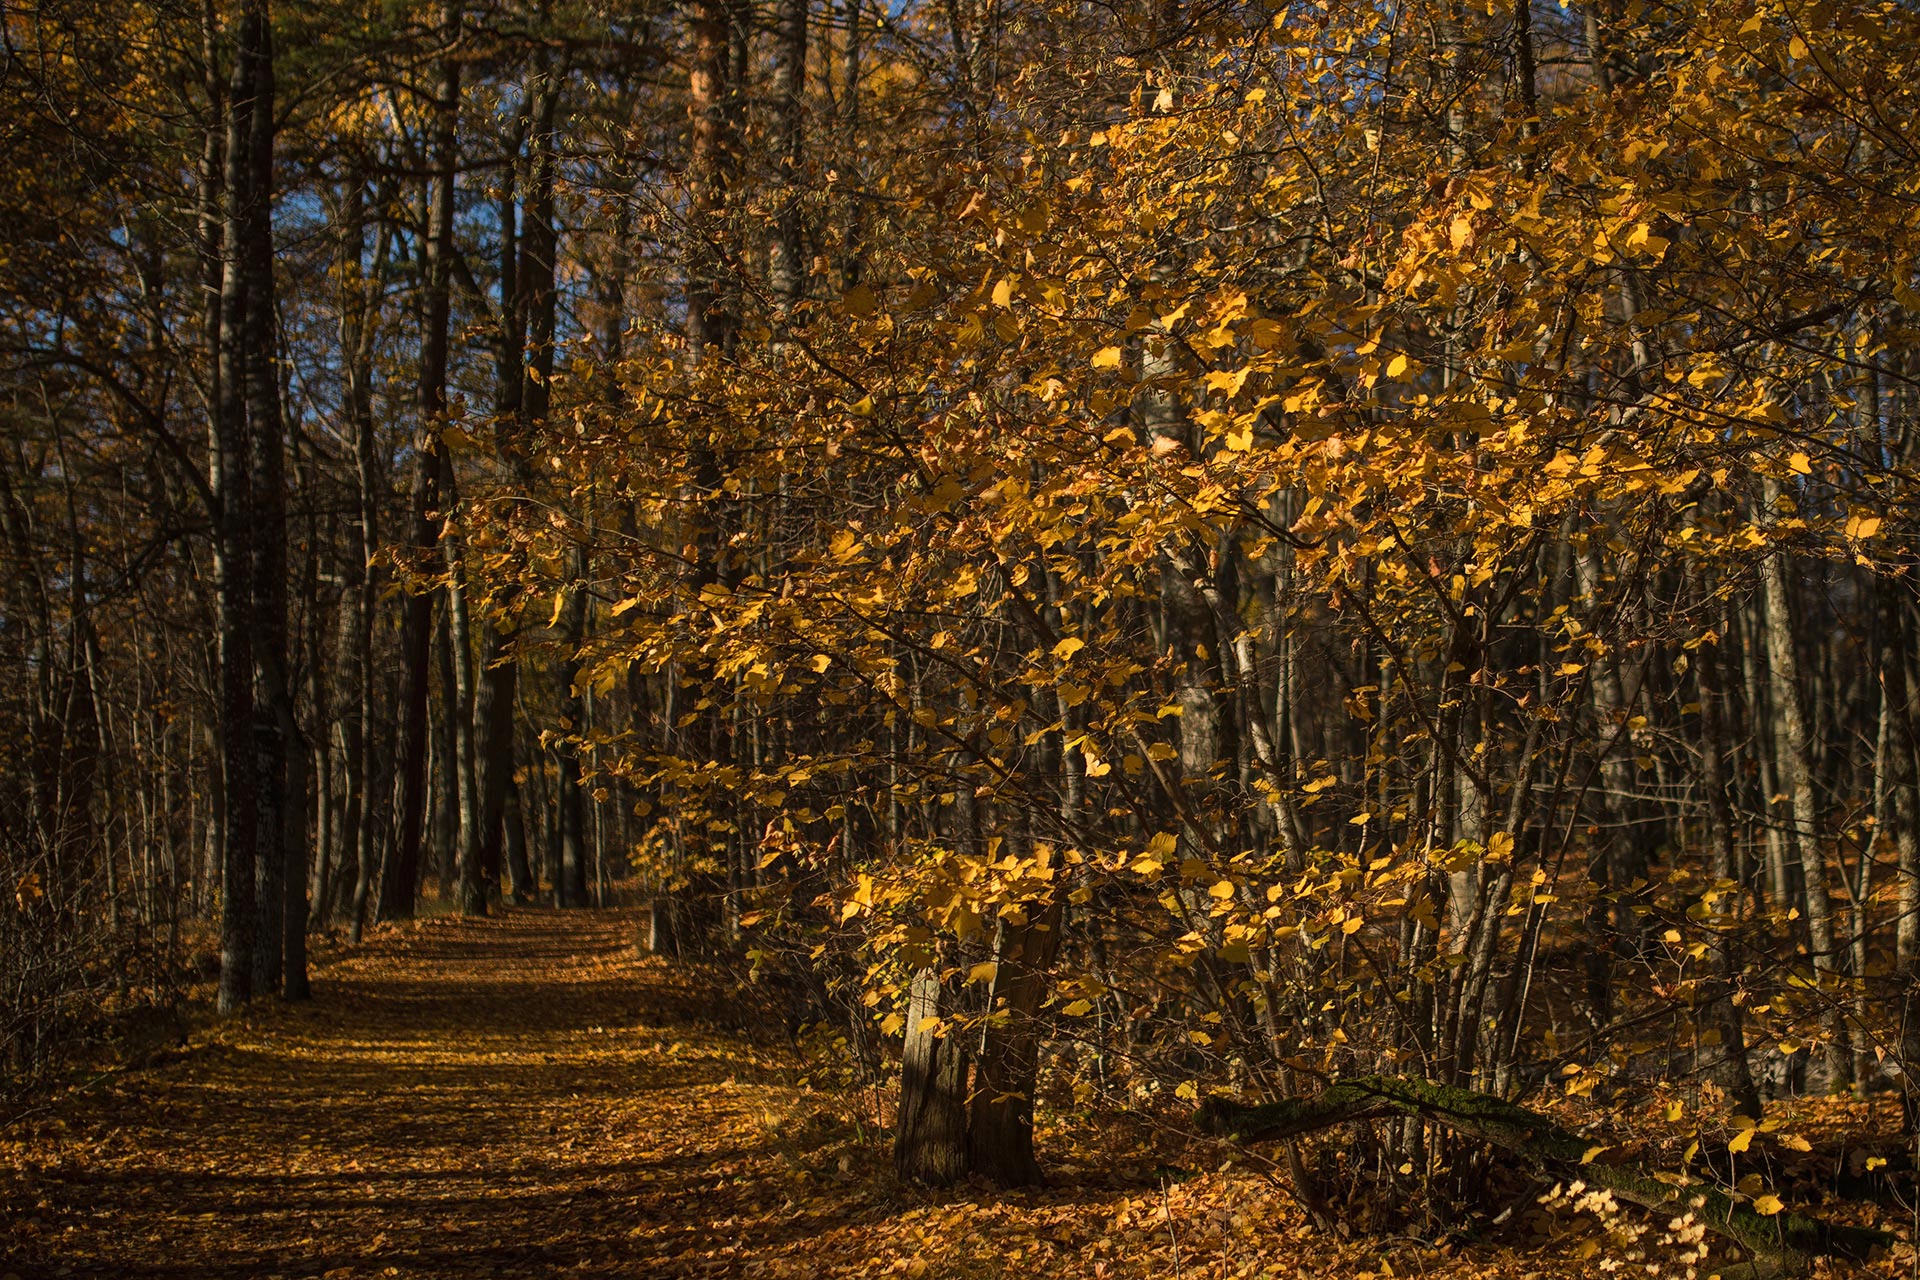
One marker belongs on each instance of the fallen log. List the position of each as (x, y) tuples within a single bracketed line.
[(1787, 1240)]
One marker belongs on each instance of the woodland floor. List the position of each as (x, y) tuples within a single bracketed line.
[(524, 1096)]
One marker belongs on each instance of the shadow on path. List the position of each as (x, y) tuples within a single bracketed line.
[(516, 1096)]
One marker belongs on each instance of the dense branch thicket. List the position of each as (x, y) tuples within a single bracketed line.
[(1184, 545)]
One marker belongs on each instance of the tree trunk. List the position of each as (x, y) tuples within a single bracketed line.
[(710, 163), (1000, 1112), (281, 815), (495, 686), (230, 469), (460, 719), (786, 270), (513, 823), (1796, 763), (570, 885), (1900, 690), (1729, 1062), (930, 1134), (402, 879)]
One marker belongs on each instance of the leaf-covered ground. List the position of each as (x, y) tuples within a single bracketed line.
[(524, 1096)]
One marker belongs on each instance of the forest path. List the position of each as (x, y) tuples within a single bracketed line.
[(515, 1096)]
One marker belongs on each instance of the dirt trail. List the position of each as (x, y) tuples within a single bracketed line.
[(523, 1096), (518, 1096)]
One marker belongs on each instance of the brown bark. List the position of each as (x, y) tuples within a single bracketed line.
[(1000, 1111), (1794, 750), (230, 480), (786, 271), (280, 849), (570, 879), (930, 1135), (402, 875), (1729, 1060)]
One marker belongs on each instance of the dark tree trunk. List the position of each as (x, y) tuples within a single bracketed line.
[(474, 887), (230, 468), (1000, 1113), (710, 162), (930, 1136), (570, 884), (402, 881), (443, 804), (1793, 740), (513, 824), (276, 737), (1729, 1060), (786, 268)]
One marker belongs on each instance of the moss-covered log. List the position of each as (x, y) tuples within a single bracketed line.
[(1788, 1240)]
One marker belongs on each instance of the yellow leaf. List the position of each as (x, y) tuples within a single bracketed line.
[(1767, 1205), (1077, 1008), (859, 301), (1068, 647), (1351, 925), (1107, 358), (1799, 465), (1265, 334), (821, 662), (1187, 1091), (1398, 365), (1003, 293), (1797, 50), (983, 972), (1742, 1140)]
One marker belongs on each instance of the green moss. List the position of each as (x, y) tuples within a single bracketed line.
[(1789, 1240)]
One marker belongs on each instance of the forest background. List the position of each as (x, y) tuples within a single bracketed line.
[(1114, 555)]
